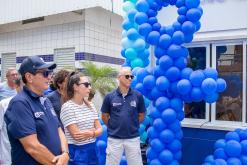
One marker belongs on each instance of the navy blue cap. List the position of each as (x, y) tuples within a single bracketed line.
[(33, 63)]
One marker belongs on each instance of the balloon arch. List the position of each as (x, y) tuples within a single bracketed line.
[(170, 83)]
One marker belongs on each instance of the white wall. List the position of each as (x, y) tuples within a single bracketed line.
[(17, 10), (90, 32)]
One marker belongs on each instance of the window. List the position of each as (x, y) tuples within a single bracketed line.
[(229, 63), (196, 60)]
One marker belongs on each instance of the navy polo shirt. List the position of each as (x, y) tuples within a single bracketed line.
[(123, 111), (29, 114)]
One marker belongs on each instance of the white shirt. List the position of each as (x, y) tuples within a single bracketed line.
[(5, 149), (81, 115)]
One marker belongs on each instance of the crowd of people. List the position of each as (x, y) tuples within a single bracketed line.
[(49, 118)]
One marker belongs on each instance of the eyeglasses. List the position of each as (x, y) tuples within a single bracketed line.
[(45, 73), (86, 84), (128, 76)]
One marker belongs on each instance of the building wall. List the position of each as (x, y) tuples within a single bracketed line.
[(15, 10), (95, 34)]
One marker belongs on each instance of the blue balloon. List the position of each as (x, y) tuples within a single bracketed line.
[(233, 148), (196, 94), (196, 78), (155, 162), (176, 104), (211, 98), (221, 85), (142, 6), (139, 44), (165, 62), (131, 15), (144, 29), (221, 143), (130, 53), (182, 10), (168, 115), (244, 146), (165, 41), (158, 71), (166, 157), (151, 154), (185, 73), (180, 62), (173, 73), (232, 136), (193, 15), (178, 37), (137, 62), (123, 161), (149, 82), (192, 3), (179, 3), (220, 154), (188, 27), (209, 86), (152, 20), (177, 155), (181, 19), (152, 133), (153, 38), (156, 26), (176, 25), (175, 51), (154, 113), (169, 30), (162, 103), (220, 162), (155, 93), (167, 136), (243, 159), (188, 38), (162, 83), (132, 34), (126, 43), (101, 145), (234, 161), (157, 145), (175, 146), (141, 18), (152, 13), (211, 73), (209, 159), (127, 25)]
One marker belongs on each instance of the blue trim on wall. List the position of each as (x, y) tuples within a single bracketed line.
[(198, 143), (79, 56)]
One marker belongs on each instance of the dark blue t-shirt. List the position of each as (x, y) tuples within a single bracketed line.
[(55, 98), (29, 114), (123, 111)]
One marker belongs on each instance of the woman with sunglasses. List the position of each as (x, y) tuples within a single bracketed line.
[(81, 122)]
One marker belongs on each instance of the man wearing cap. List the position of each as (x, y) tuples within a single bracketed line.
[(33, 128)]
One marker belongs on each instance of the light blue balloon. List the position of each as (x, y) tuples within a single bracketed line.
[(130, 54), (141, 18), (139, 44), (137, 62), (132, 34), (126, 43), (127, 6)]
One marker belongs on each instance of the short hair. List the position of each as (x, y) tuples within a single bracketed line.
[(9, 70), (122, 69), (60, 77)]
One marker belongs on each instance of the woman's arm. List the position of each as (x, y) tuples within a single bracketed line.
[(79, 135), (98, 128)]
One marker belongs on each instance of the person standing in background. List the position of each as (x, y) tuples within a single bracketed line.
[(122, 111), (7, 88), (5, 149), (56, 96)]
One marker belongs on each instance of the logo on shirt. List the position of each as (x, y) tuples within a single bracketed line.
[(133, 103), (116, 104), (38, 114)]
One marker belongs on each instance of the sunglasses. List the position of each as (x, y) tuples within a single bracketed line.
[(128, 76), (86, 84), (45, 73)]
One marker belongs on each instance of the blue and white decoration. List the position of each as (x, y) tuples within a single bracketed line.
[(230, 151), (170, 83)]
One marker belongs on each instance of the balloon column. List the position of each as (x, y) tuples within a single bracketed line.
[(170, 82), (230, 151)]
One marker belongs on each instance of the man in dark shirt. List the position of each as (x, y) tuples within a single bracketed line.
[(122, 111), (33, 129)]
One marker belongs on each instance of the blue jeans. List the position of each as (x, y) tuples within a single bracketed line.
[(83, 154)]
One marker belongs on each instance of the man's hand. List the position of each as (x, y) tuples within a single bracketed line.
[(61, 159)]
